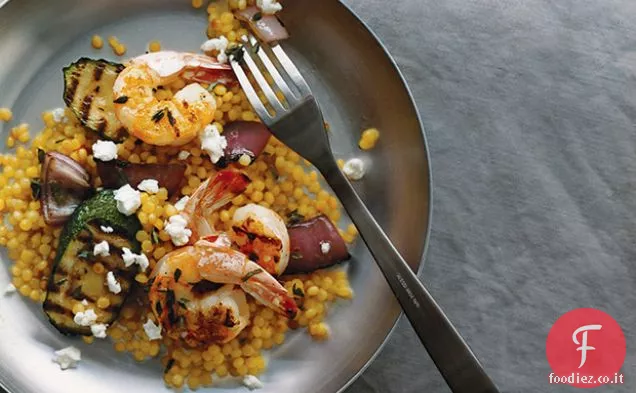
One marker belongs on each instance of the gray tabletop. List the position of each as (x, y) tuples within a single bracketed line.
[(529, 111)]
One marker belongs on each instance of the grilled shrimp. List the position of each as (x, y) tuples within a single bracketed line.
[(261, 234), (210, 196), (171, 122), (197, 292), (192, 308)]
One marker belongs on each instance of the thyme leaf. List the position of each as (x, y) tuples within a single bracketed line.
[(251, 274)]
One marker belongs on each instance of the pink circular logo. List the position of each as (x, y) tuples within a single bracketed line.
[(586, 348)]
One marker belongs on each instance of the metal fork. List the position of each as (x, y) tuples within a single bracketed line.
[(297, 121)]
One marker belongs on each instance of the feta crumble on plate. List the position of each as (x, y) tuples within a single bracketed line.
[(220, 44), (130, 258), (67, 357), (178, 231), (105, 150), (58, 115), (269, 6), (181, 203), (325, 247), (152, 330), (151, 186), (101, 249), (85, 318), (251, 382), (10, 289), (113, 285), (213, 143), (99, 330), (106, 229), (128, 199), (183, 155), (354, 169)]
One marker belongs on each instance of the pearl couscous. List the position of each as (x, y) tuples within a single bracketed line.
[(280, 180)]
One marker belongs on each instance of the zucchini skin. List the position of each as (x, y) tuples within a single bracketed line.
[(73, 278), (88, 92)]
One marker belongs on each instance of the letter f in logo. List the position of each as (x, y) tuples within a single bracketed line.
[(584, 347)]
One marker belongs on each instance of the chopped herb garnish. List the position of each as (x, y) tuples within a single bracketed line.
[(158, 115), (298, 291), (77, 293), (251, 274), (121, 163), (60, 140), (168, 366), (296, 255), (294, 217), (36, 188), (158, 308), (177, 275), (171, 119), (41, 155), (121, 100), (257, 16), (236, 53), (154, 235), (61, 281)]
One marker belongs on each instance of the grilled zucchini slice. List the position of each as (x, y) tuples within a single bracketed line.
[(75, 276), (88, 92)]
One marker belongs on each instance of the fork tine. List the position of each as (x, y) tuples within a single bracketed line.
[(262, 82), (250, 93), (291, 70), (273, 71)]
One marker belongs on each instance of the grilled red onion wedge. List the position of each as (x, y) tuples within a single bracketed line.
[(315, 244), (64, 184)]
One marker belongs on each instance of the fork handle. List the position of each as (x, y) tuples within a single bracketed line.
[(450, 353)]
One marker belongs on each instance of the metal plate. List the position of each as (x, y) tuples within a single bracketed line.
[(357, 85)]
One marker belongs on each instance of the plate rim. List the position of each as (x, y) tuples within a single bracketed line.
[(427, 235)]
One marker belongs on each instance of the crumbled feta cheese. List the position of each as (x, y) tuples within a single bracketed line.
[(151, 186), (178, 231), (67, 357), (101, 249), (131, 258), (113, 285), (106, 229), (99, 330), (128, 199), (325, 247), (269, 6), (9, 289), (181, 203), (84, 302), (251, 382), (219, 44), (128, 257), (183, 155), (58, 115), (152, 330), (354, 169), (85, 318), (213, 143), (104, 150)]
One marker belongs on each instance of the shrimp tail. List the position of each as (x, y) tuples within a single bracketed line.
[(268, 291), (211, 195)]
